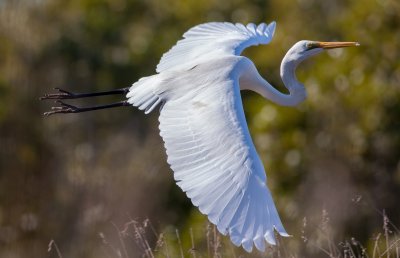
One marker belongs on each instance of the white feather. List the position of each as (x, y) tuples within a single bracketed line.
[(210, 39), (205, 132), (219, 169)]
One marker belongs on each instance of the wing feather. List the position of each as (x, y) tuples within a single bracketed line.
[(213, 39), (214, 160)]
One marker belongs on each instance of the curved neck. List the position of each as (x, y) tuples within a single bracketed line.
[(297, 92), (250, 79)]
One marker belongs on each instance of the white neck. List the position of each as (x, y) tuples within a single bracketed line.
[(297, 92), (252, 80)]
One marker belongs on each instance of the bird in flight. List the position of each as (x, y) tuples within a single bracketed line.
[(197, 89)]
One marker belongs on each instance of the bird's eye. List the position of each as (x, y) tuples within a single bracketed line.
[(311, 45)]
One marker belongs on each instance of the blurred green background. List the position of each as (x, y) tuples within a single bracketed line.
[(333, 163)]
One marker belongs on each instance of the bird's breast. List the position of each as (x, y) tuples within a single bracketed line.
[(201, 76)]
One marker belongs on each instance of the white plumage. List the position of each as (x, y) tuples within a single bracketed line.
[(212, 40), (202, 122), (204, 129)]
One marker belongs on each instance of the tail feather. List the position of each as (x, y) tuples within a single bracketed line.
[(144, 94)]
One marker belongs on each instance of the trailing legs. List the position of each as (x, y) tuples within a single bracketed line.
[(65, 108)]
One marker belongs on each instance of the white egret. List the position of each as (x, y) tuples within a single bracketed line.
[(209, 148)]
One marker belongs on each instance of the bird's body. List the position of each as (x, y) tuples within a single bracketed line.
[(207, 140), (202, 123), (210, 149)]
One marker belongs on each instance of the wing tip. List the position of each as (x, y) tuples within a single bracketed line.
[(271, 28), (247, 244), (284, 234), (258, 241)]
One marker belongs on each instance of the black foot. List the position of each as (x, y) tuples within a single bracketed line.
[(63, 94), (64, 108)]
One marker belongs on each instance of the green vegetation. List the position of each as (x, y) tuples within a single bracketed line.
[(333, 163)]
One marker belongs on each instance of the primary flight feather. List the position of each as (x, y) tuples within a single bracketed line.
[(202, 122)]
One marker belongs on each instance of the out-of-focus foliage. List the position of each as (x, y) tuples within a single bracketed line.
[(74, 178)]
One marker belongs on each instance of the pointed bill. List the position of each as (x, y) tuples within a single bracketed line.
[(330, 45)]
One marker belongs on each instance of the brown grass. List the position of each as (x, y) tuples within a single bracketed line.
[(140, 239)]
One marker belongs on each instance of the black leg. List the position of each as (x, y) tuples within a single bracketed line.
[(63, 94), (65, 108)]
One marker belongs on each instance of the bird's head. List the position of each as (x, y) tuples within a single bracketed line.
[(307, 48)]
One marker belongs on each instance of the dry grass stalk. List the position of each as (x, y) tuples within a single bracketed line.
[(179, 243), (193, 249), (51, 244)]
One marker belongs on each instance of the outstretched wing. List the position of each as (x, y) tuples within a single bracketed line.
[(215, 162), (213, 39)]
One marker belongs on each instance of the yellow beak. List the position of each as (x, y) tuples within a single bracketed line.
[(329, 45)]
